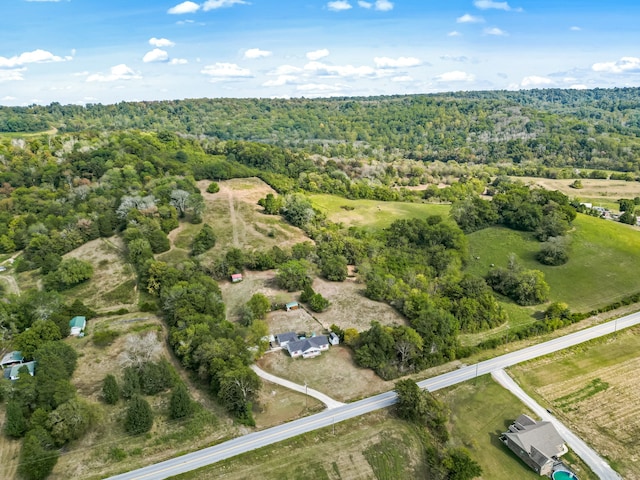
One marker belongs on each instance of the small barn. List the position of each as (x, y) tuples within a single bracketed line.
[(236, 277), (334, 339), (77, 325), (291, 306)]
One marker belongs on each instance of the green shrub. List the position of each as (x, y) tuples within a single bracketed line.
[(102, 338)]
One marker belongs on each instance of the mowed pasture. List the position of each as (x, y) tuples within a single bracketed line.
[(593, 190), (372, 213), (373, 446), (603, 260), (480, 411), (237, 220), (593, 389)]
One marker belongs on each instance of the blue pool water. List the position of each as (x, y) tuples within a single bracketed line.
[(562, 475)]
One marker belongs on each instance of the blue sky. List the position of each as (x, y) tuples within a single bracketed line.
[(98, 51)]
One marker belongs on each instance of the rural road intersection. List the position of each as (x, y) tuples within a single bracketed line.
[(329, 417)]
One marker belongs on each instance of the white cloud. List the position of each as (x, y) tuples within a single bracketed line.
[(285, 70), (454, 33), (535, 81), (281, 80), (9, 97), (225, 71), (455, 76), (257, 53), (575, 28), (36, 56), (318, 87), (184, 7), (80, 74), (155, 55), (624, 65), (318, 54), (117, 72), (178, 61), (383, 5), (495, 31), (11, 75), (403, 78), (466, 18), (339, 5), (365, 4), (214, 4), (320, 68), (487, 4), (400, 62), (161, 42)]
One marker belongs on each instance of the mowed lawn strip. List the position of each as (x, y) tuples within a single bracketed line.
[(593, 389), (373, 213), (603, 260)]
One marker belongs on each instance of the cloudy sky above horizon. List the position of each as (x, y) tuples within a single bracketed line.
[(90, 51)]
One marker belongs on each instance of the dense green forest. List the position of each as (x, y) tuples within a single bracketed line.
[(584, 129)]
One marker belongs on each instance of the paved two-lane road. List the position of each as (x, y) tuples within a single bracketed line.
[(326, 418)]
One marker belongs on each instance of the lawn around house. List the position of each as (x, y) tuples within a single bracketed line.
[(593, 390)]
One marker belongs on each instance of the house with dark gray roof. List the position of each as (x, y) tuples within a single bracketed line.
[(284, 338), (309, 347), (538, 444)]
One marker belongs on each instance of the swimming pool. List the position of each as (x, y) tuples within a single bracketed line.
[(563, 475)]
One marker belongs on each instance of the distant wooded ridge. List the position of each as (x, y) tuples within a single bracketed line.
[(580, 128)]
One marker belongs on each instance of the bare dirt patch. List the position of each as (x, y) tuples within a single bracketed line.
[(333, 373)]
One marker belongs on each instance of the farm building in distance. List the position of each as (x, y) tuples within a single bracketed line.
[(77, 325), (11, 359), (236, 277), (13, 373), (538, 444), (291, 306)]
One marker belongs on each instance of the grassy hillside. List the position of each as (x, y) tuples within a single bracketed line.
[(372, 213), (603, 261)]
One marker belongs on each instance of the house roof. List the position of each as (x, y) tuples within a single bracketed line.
[(291, 304), (236, 275), (78, 322), (540, 440), (14, 371), (333, 335), (12, 357), (286, 337), (307, 343)]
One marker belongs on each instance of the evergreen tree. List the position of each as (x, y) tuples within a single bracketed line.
[(15, 424), (139, 417), (37, 457), (180, 405), (110, 390), (131, 384)]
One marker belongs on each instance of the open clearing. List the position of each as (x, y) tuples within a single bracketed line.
[(333, 373), (373, 446), (592, 189), (373, 213), (113, 284), (349, 307), (593, 389), (480, 411), (603, 260), (237, 219), (277, 405)]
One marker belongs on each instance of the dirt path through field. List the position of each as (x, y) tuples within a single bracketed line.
[(234, 219)]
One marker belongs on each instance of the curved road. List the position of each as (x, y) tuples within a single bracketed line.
[(326, 418)]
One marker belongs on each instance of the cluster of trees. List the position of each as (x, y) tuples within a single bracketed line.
[(44, 408), (525, 287), (421, 408)]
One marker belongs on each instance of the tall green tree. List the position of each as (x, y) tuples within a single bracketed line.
[(110, 390), (180, 404), (38, 455), (139, 417)]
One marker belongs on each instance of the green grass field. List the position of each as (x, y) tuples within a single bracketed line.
[(372, 213), (603, 261)]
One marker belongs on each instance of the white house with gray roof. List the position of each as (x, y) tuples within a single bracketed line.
[(309, 347)]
